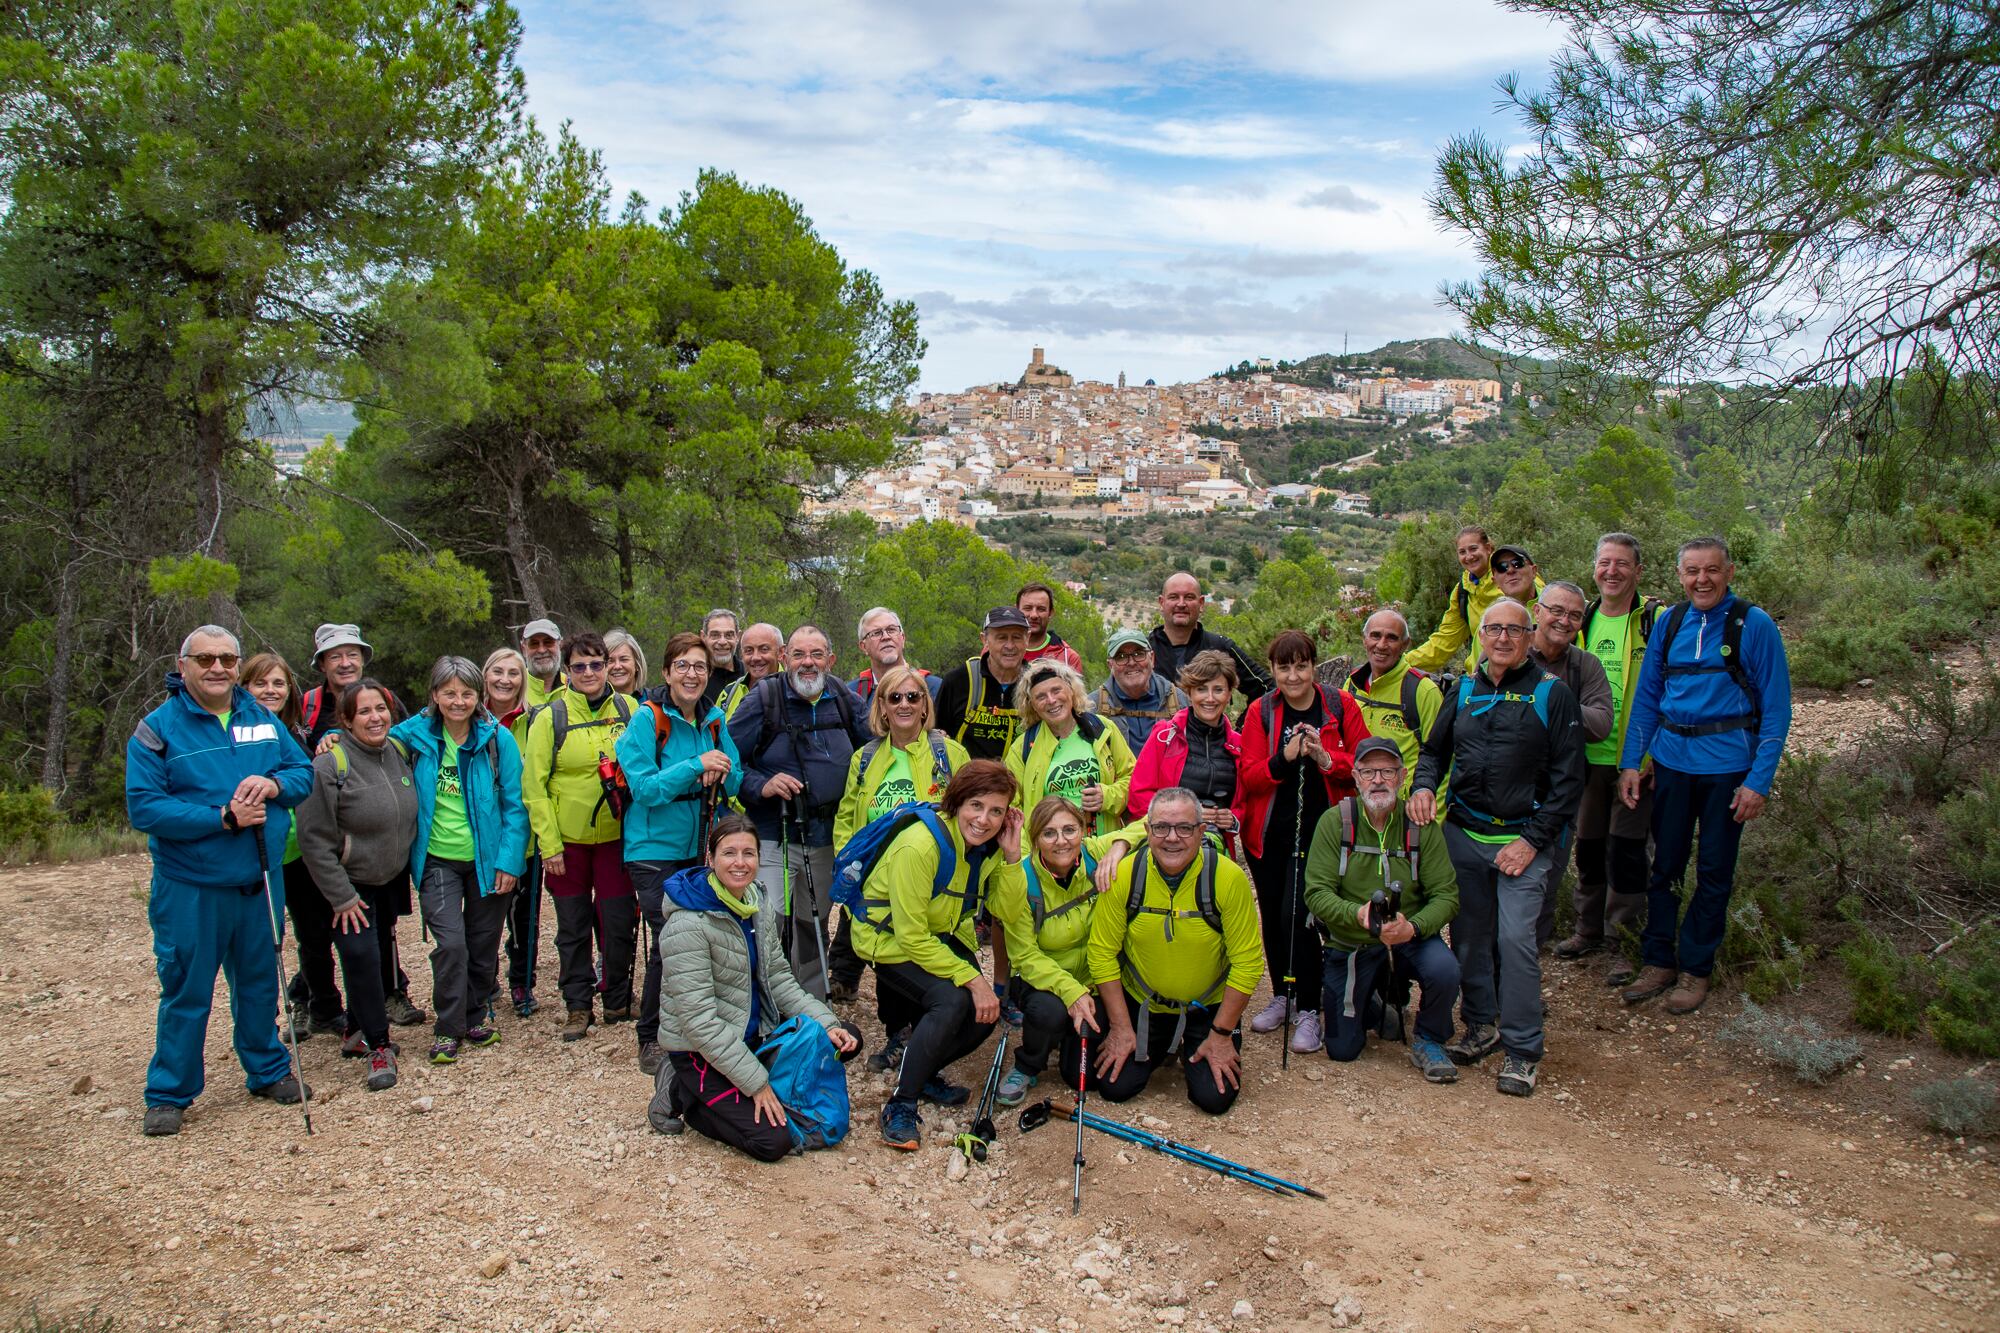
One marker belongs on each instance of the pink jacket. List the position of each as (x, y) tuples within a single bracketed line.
[(1163, 758)]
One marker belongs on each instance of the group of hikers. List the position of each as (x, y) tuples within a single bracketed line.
[(1109, 872)]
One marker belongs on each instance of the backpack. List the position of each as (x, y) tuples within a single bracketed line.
[(340, 762), (1088, 723), (1348, 847), (662, 728), (855, 864), (771, 695), (1732, 662), (810, 1082), (975, 697), (1406, 702), (1649, 612), (940, 759), (559, 727), (1204, 891), (1035, 904), (1539, 697)]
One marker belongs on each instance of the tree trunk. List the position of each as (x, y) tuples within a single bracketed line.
[(521, 551), (212, 448), (62, 671), (624, 566)]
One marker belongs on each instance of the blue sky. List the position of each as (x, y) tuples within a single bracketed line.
[(1158, 188)]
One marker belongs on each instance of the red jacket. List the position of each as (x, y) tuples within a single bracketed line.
[(1344, 729), (1163, 758), (1057, 649)]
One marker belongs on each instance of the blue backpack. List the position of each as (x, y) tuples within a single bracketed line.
[(857, 860), (808, 1078), (1039, 908)]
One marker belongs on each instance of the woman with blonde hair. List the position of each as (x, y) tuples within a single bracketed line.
[(1066, 750)]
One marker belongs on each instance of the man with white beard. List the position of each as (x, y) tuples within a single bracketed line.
[(796, 732), (1362, 848), (541, 649)]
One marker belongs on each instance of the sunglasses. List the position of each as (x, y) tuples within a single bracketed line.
[(1508, 565), (901, 698), (207, 660), (586, 668)]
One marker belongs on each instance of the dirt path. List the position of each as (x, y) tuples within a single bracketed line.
[(1651, 1182)]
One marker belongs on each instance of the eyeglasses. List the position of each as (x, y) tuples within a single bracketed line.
[(1137, 656), (914, 697), (688, 668), (1503, 631), (1558, 613), (1160, 830), (881, 632), (1508, 565), (815, 656), (586, 668), (207, 660), (1379, 774)]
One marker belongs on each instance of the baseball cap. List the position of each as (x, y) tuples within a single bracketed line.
[(1126, 638), (534, 627), (1004, 617), (1378, 745), (1521, 551), (329, 637)]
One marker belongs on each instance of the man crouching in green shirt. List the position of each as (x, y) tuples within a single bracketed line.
[(1362, 847), (1174, 962)]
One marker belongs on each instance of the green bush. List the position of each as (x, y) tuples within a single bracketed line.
[(1971, 821), (1800, 1046), (1889, 988), (1959, 1106), (27, 816), (1965, 1019)]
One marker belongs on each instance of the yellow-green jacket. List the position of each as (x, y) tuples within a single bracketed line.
[(1029, 756), (561, 799), (1197, 962), (534, 694), (917, 919), (1381, 701), (862, 785), (1053, 957), (1468, 602)]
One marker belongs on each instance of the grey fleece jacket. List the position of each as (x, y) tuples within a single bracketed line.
[(358, 830)]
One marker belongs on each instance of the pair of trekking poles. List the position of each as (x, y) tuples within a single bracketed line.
[(976, 1140)]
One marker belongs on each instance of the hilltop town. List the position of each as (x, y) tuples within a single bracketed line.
[(1049, 442)]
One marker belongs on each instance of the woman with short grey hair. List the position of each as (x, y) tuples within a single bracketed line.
[(624, 663), (470, 850)]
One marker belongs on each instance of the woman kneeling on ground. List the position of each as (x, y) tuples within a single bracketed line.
[(728, 984), (1045, 913), (355, 832), (922, 943), (470, 851)]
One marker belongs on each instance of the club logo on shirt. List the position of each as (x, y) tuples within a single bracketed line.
[(1068, 780), (260, 731)]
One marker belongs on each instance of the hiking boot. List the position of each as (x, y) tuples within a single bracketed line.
[(296, 1021), (1272, 1016), (402, 1013), (650, 1055), (1475, 1044), (381, 1069), (1689, 996), (1429, 1057), (1390, 1026), (285, 1092), (1620, 973), (1305, 1033), (902, 1127), (482, 1034), (623, 1014), (1517, 1077), (891, 1054), (332, 1025), (1010, 1013), (354, 1046), (444, 1051), (944, 1092), (163, 1120), (1579, 946), (1652, 981), (524, 1002), (841, 992), (1014, 1087), (577, 1026)]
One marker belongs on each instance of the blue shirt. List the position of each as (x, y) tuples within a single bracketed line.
[(1690, 700)]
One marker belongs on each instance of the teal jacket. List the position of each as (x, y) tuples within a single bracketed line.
[(664, 823), (493, 802)]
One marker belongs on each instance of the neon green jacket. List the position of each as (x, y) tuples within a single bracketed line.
[(561, 803), (1381, 701), (1053, 959), (1196, 963), (860, 794), (1029, 756), (1467, 603), (916, 919)]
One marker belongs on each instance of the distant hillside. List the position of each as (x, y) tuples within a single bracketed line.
[(1425, 358)]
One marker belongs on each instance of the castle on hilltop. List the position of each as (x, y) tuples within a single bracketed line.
[(1041, 375)]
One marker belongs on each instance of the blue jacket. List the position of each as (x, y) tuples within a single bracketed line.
[(182, 767), (493, 803), (1689, 700), (832, 727), (664, 823)]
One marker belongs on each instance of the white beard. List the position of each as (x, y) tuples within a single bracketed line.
[(809, 685), (1380, 804)]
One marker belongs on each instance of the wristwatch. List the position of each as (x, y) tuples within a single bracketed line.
[(1227, 1034)]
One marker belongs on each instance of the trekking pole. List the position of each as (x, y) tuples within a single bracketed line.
[(1042, 1112), (812, 892), (1082, 1070), (975, 1140), (278, 949), (1291, 917)]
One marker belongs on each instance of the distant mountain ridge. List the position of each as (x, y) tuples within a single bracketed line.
[(1452, 358)]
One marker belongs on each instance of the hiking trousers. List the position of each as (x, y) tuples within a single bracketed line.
[(1681, 802), (593, 898), (1293, 945), (783, 866), (945, 1031), (361, 961), (1352, 1008), (1611, 875), (198, 930), (1202, 1088), (649, 880), (716, 1108), (314, 984), (1043, 1019), (524, 928), (1493, 936), (465, 927)]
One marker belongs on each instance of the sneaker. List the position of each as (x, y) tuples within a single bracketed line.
[(482, 1034), (1429, 1057), (1579, 946), (381, 1069), (1305, 1032), (402, 1013), (285, 1092), (524, 1002), (354, 1046), (444, 1051), (1014, 1087), (1390, 1026), (891, 1054), (662, 1123), (1620, 973), (1689, 996), (901, 1126), (1272, 1016), (577, 1026), (296, 1022), (1010, 1013), (1652, 981), (163, 1120), (944, 1092), (650, 1055), (1474, 1045), (1517, 1076)]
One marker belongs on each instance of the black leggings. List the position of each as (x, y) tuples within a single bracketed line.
[(362, 955), (649, 880), (945, 1031), (1202, 1089), (1043, 1021), (1299, 948), (713, 1106), (313, 985)]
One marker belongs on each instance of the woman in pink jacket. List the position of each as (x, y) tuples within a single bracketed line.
[(1196, 748)]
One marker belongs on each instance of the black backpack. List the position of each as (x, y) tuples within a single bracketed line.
[(559, 724), (1732, 663), (771, 695), (1406, 702), (1204, 891)]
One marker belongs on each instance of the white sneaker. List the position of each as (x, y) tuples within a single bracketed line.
[(1305, 1032), (1272, 1016)]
